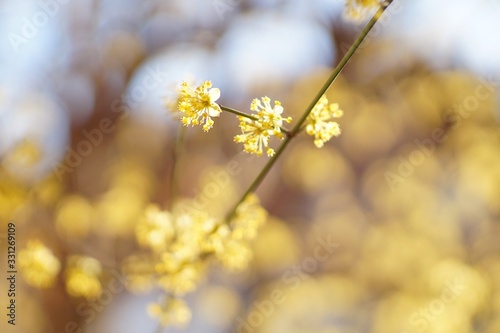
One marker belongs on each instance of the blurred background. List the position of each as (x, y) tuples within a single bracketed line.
[(408, 194)]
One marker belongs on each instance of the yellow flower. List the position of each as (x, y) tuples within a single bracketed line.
[(192, 229), (360, 9), (182, 281), (198, 105), (234, 251), (256, 132), (235, 255), (82, 277), (38, 265), (195, 238), (248, 218), (215, 241), (155, 229), (175, 312), (319, 122)]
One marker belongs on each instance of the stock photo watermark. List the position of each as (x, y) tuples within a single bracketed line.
[(426, 315), (94, 137), (427, 146), (290, 280), (11, 273), (30, 27), (219, 181)]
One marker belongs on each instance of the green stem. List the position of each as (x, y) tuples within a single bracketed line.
[(238, 113), (343, 62), (249, 116), (296, 129)]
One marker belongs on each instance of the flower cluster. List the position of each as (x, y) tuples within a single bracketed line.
[(319, 122), (175, 312), (359, 9), (266, 122), (38, 265), (198, 105), (82, 277), (156, 229), (189, 241), (235, 253)]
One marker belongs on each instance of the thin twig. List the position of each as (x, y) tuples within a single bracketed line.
[(238, 113), (249, 116), (296, 129)]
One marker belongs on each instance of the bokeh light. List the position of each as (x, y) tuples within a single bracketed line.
[(391, 227)]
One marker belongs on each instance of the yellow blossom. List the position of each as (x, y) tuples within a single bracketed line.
[(266, 123), (38, 265), (155, 229), (182, 281), (170, 262), (193, 227), (191, 231), (195, 237), (235, 255), (234, 252), (248, 218), (198, 105), (82, 277), (319, 122), (175, 312), (215, 241), (179, 254), (359, 9)]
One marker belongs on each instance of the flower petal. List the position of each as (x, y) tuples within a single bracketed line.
[(214, 94)]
